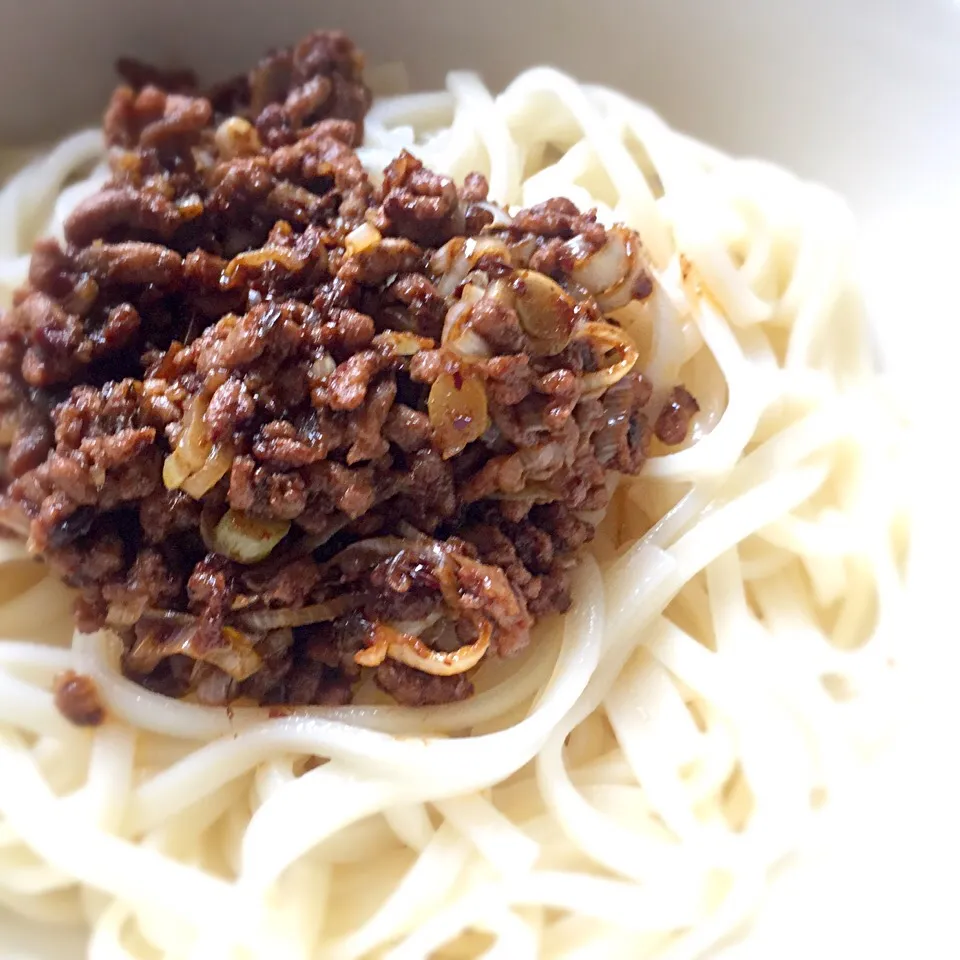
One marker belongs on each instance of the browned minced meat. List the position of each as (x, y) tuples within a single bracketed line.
[(77, 698), (398, 407), (673, 421)]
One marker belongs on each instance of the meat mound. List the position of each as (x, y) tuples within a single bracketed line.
[(283, 429)]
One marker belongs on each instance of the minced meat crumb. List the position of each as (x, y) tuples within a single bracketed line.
[(76, 697), (284, 427)]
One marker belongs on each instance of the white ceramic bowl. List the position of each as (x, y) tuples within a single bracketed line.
[(863, 95)]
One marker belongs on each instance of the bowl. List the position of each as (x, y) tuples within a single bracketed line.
[(859, 95)]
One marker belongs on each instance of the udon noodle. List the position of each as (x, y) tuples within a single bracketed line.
[(626, 790)]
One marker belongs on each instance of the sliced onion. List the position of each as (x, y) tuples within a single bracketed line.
[(430, 551), (457, 406), (438, 555), (467, 343), (451, 265), (251, 259), (238, 659), (620, 295), (454, 321), (522, 250), (611, 338), (472, 346), (235, 656), (456, 258), (247, 539), (126, 613), (379, 548), (456, 335), (475, 282), (357, 240), (599, 270), (416, 628), (609, 274), (265, 620), (402, 343), (500, 216), (488, 245), (543, 460), (472, 292), (413, 652)]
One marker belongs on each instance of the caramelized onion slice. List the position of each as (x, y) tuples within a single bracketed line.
[(413, 652), (609, 339), (251, 259), (599, 270), (237, 658), (234, 655), (265, 620), (358, 239), (532, 493), (457, 407), (247, 539), (402, 343), (501, 217), (457, 336), (374, 549)]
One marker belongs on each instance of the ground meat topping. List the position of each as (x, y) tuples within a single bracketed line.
[(287, 432), (673, 421), (77, 698)]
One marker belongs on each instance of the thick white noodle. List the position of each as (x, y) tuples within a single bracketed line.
[(625, 788)]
